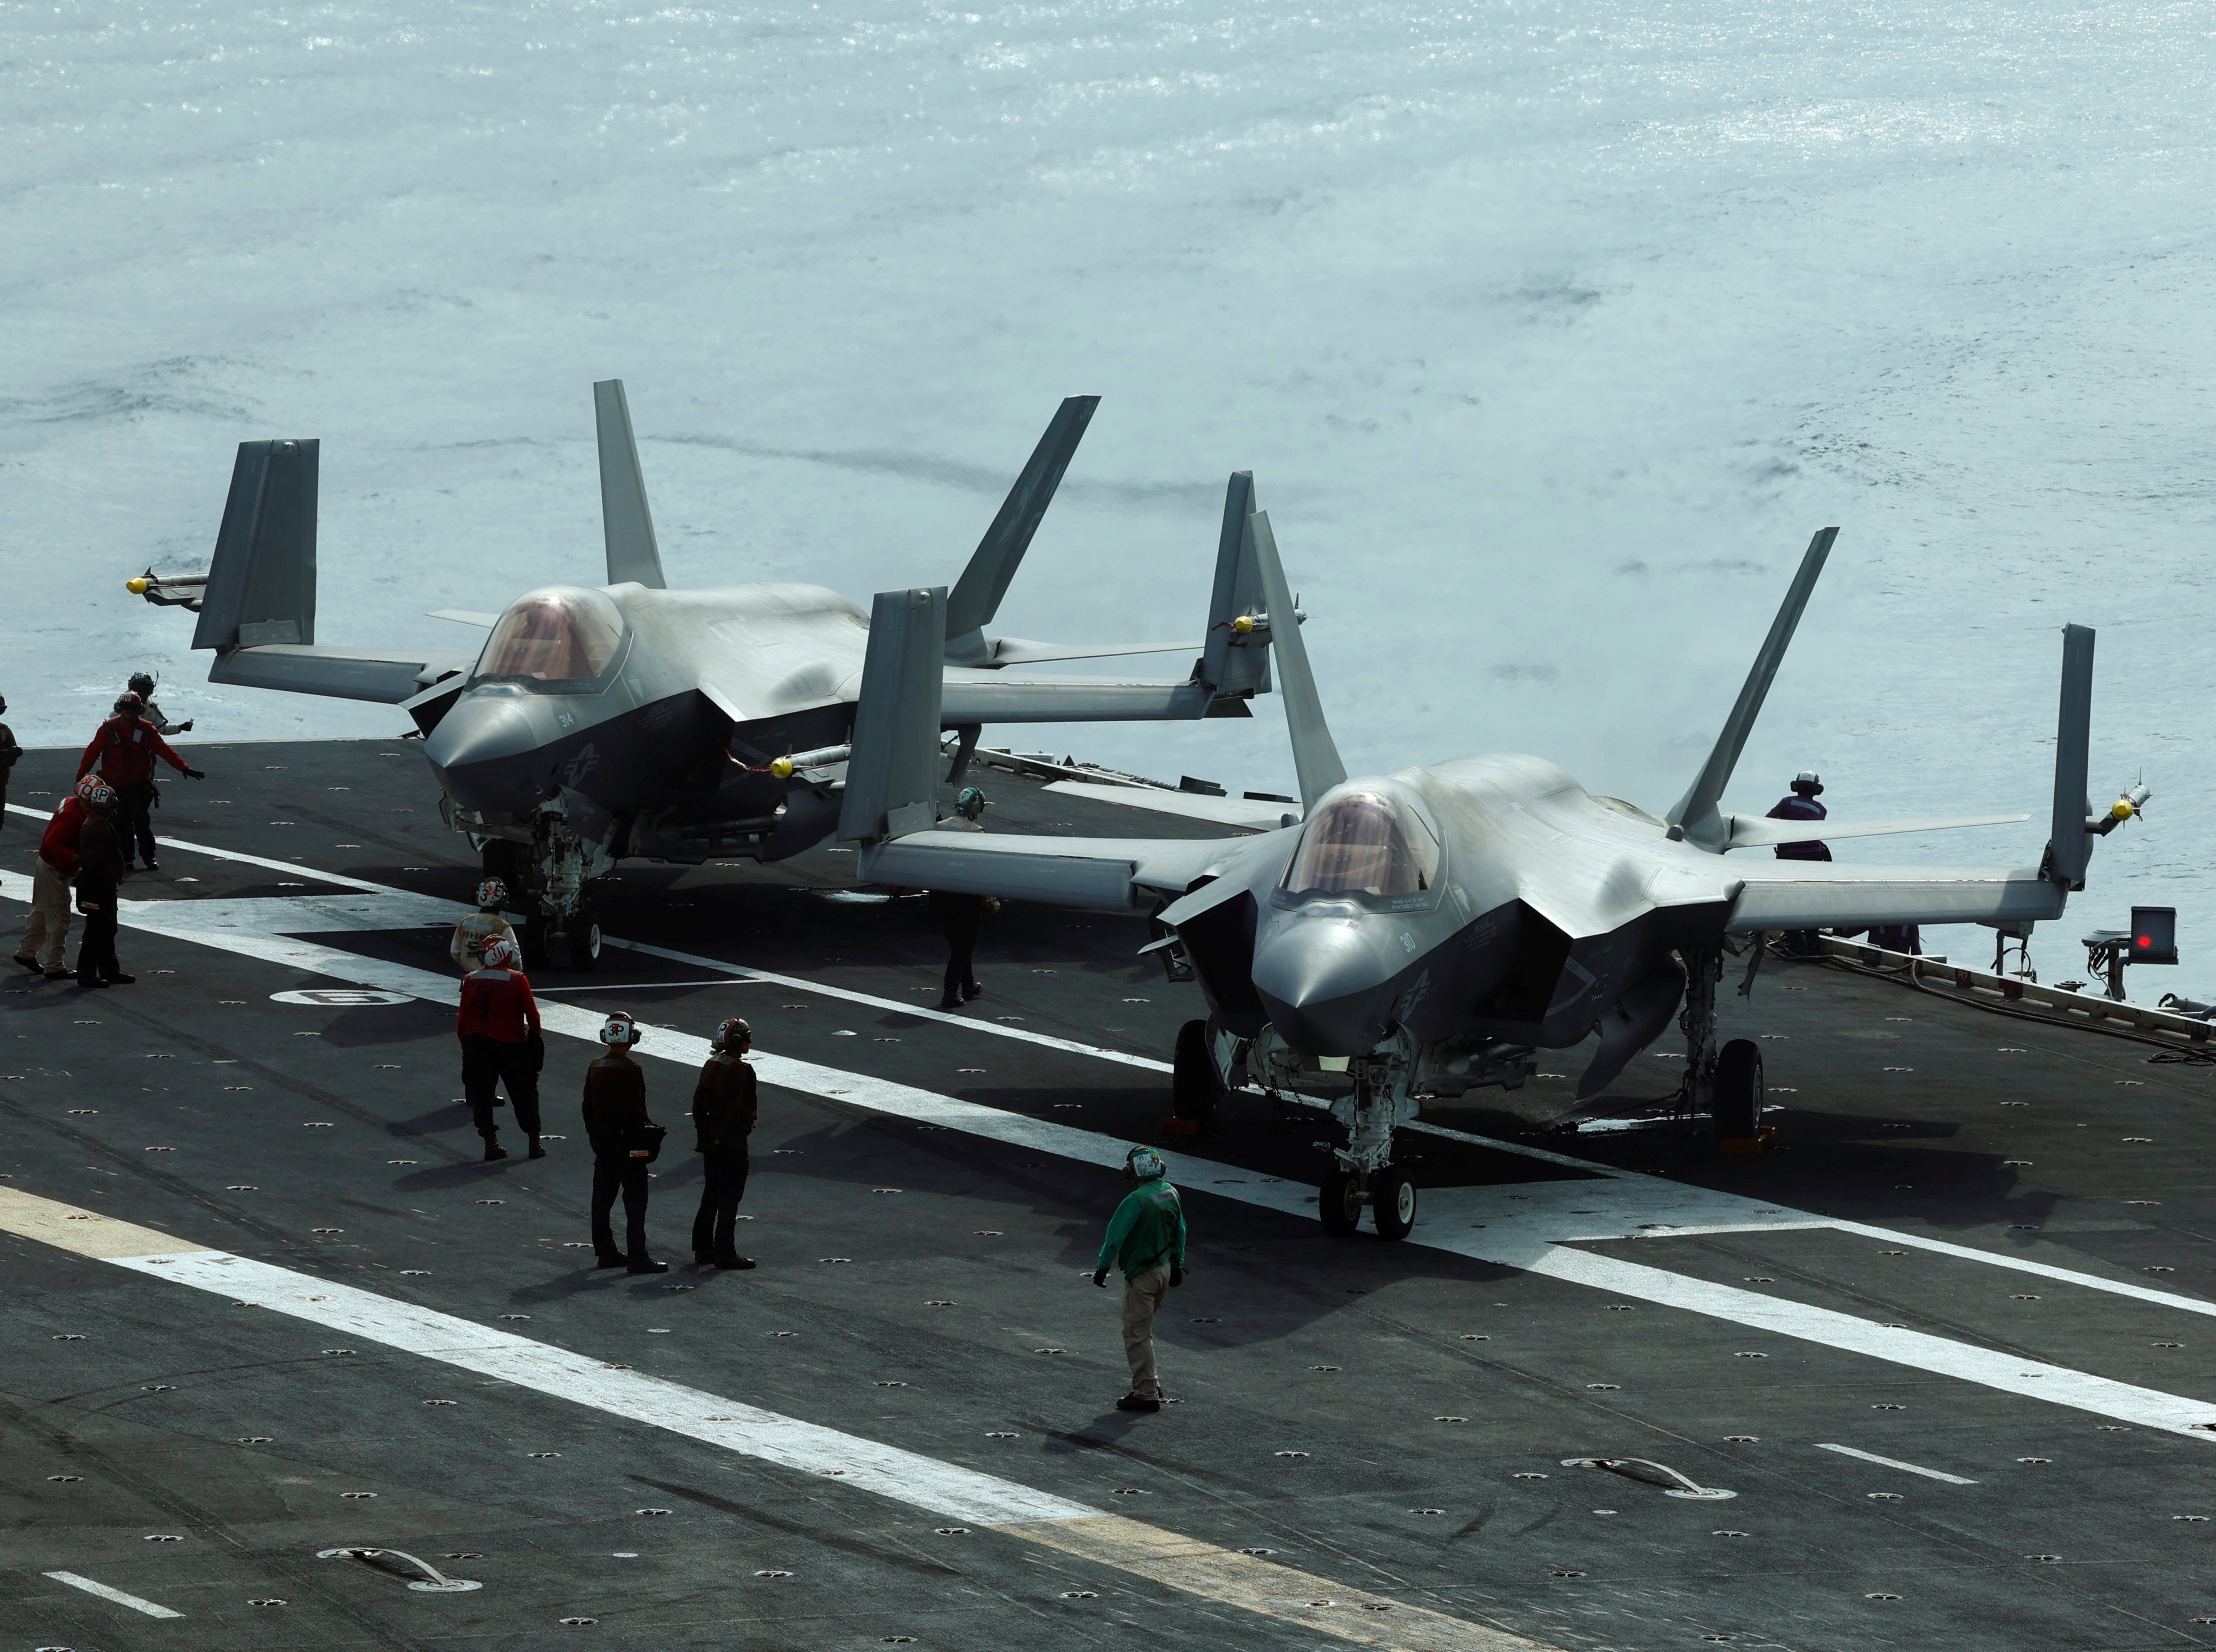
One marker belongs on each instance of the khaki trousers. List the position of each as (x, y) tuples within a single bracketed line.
[(48, 925), (1142, 1296)]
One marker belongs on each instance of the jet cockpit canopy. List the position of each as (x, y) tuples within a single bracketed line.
[(562, 636), (1369, 842)]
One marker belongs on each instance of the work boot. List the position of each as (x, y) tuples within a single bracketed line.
[(703, 1259), (119, 978), (152, 866), (1137, 1403), (58, 972), (972, 990), (84, 980), (733, 1261), (949, 1004), (30, 961), (537, 1152), (611, 1259), (645, 1265), (494, 1150)]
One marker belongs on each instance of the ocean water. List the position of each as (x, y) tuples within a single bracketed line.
[(1551, 331)]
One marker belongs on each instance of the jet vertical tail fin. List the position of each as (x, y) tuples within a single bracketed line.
[(1228, 664), (976, 595), (1696, 814), (261, 584), (1315, 756), (2069, 849), (625, 523), (892, 770)]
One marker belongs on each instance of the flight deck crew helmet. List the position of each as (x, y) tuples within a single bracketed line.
[(142, 685), (969, 802), (1808, 782), (619, 1031), (732, 1033), (499, 952), (100, 796), (1144, 1164), (86, 787), (129, 702), (492, 895)]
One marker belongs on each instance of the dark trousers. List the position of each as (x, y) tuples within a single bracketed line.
[(960, 975), (134, 820), (489, 1063), (714, 1228), (960, 925), (95, 954), (612, 1175)]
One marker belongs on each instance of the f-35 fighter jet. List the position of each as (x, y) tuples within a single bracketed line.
[(601, 722), (1420, 933)]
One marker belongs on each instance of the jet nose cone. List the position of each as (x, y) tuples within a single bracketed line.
[(480, 752), (1327, 983)]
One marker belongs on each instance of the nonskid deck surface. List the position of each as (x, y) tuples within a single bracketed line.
[(1948, 1344)]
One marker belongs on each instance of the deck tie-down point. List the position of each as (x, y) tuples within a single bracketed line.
[(433, 1581), (1674, 1483)]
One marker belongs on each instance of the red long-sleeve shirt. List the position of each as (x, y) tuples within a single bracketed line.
[(58, 846), (124, 750), (498, 1004)]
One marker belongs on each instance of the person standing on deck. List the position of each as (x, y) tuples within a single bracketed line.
[(1146, 1239)]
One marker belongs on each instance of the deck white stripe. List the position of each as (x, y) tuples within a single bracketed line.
[(1895, 1463), (905, 1476), (116, 1595)]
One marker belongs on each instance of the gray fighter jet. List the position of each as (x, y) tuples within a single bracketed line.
[(598, 723), (1418, 934)]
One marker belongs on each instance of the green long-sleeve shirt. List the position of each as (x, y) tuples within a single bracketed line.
[(1147, 1230)]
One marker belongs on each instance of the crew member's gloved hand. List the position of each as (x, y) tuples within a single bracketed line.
[(196, 774), (1100, 1278), (1177, 1274), (186, 727)]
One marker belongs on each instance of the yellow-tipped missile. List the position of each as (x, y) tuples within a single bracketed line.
[(2123, 808), (138, 586), (781, 767), (1244, 623)]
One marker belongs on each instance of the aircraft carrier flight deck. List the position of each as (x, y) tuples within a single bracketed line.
[(1933, 1371)]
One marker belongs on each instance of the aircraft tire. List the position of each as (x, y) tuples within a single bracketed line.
[(1194, 1090), (584, 942), (1737, 1106), (1393, 1202), (1338, 1202)]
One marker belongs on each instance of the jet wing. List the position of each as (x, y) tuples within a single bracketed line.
[(1816, 895), (1759, 831), (338, 674), (1258, 812), (1113, 874), (973, 696)]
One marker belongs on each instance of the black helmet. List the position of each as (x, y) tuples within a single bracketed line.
[(142, 684)]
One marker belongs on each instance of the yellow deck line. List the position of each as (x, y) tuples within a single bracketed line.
[(1264, 1587)]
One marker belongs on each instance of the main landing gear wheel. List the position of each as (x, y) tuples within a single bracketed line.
[(584, 942), (1194, 1088), (1340, 1202), (1737, 1105), (1393, 1202)]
